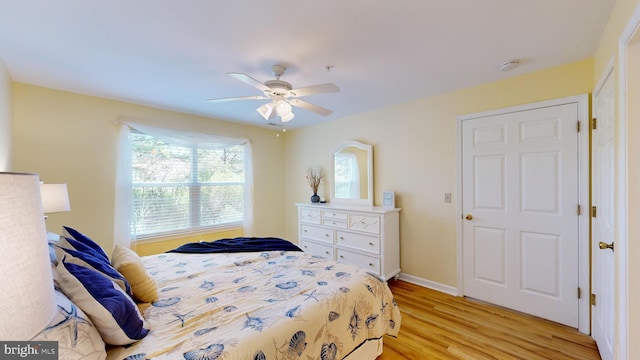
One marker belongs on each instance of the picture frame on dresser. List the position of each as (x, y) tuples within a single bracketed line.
[(388, 199)]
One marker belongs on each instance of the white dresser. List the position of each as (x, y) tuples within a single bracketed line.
[(365, 236)]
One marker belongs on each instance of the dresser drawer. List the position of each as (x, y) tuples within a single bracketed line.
[(325, 251), (364, 242), (337, 219), (364, 222), (316, 233), (341, 224), (369, 263), (310, 216), (335, 215)]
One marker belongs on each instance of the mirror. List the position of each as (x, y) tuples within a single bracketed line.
[(352, 174)]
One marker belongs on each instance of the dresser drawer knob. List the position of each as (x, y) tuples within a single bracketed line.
[(327, 235), (371, 244), (326, 252), (341, 237), (371, 264), (341, 256)]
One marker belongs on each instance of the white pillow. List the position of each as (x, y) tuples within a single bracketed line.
[(110, 309), (77, 337)]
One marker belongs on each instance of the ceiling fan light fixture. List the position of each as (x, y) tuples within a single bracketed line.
[(266, 111), (287, 117), (283, 108)]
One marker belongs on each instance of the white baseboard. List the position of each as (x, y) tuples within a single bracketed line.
[(451, 290)]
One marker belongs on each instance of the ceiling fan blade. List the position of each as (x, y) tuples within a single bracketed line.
[(315, 89), (258, 97), (251, 81), (311, 107)]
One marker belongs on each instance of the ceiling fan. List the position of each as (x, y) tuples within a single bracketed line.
[(282, 95)]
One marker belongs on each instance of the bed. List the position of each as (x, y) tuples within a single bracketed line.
[(258, 303)]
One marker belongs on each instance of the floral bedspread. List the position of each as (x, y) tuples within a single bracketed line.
[(268, 305)]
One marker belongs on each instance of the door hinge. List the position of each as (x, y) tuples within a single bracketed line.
[(594, 211), (594, 123), (593, 299), (579, 293), (578, 126), (579, 210)]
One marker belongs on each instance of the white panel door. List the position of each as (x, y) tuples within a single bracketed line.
[(519, 198), (602, 276)]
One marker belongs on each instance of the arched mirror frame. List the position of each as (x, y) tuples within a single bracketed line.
[(369, 171)]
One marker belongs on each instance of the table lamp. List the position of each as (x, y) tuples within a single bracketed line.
[(55, 198), (26, 291)]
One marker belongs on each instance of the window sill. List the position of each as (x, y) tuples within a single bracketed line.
[(186, 234)]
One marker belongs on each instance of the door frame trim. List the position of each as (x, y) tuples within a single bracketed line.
[(584, 281), (624, 286)]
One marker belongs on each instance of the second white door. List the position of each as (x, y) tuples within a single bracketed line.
[(520, 232), (603, 224)]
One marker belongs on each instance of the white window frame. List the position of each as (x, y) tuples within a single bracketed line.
[(189, 139)]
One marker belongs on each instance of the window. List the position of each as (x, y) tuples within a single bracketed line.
[(180, 189)]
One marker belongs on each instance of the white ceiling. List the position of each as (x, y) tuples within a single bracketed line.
[(176, 54)]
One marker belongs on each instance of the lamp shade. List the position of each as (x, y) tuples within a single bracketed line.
[(55, 198), (266, 111), (26, 290), (287, 117)]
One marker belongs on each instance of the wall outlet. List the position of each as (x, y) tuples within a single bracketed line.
[(447, 198)]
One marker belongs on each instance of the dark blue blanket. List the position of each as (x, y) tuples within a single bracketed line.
[(240, 244)]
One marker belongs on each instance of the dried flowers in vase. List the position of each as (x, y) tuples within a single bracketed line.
[(314, 175)]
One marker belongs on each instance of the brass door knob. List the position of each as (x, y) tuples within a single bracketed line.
[(469, 217), (604, 245)]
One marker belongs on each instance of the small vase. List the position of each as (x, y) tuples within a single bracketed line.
[(315, 198)]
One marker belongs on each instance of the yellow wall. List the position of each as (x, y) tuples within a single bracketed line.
[(150, 248), (608, 46), (71, 138), (5, 118), (414, 147)]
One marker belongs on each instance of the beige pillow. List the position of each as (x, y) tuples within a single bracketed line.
[(129, 264)]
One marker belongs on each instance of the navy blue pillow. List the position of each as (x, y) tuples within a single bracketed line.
[(98, 264), (114, 314), (85, 240)]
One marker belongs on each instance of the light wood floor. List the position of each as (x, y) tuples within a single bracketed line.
[(441, 326)]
